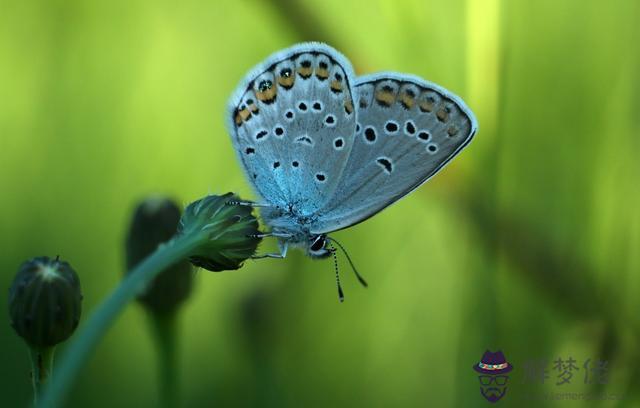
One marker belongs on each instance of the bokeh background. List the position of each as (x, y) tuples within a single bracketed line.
[(528, 242)]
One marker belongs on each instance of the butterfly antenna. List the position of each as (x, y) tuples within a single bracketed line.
[(335, 265), (353, 267)]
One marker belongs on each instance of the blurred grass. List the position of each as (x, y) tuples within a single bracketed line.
[(528, 242)]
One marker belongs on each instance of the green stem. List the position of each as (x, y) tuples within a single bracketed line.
[(97, 325), (41, 368), (165, 333)]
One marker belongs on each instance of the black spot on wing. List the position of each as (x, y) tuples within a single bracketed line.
[(385, 163)]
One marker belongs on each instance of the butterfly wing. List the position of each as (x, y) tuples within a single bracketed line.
[(407, 130), (292, 122)]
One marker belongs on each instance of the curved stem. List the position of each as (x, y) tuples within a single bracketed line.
[(41, 368), (88, 337), (165, 333)]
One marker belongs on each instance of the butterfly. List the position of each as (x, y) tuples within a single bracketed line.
[(326, 149)]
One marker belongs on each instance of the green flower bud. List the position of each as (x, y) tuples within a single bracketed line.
[(154, 222), (45, 301), (231, 232)]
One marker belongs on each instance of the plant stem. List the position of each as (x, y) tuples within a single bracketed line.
[(93, 330), (165, 333), (41, 368)]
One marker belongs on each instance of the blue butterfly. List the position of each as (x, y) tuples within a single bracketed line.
[(326, 150)]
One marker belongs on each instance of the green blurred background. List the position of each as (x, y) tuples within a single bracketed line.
[(527, 243)]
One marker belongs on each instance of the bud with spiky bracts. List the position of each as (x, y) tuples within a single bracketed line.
[(232, 231)]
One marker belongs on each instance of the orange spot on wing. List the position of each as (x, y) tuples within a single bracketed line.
[(442, 114), (322, 73), (286, 82), (348, 106), (386, 98), (304, 72), (244, 114), (426, 106), (268, 95), (407, 100)]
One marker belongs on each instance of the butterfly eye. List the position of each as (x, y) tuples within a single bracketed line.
[(318, 243)]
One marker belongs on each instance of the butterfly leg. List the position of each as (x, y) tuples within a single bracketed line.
[(248, 204), (283, 252), (271, 234)]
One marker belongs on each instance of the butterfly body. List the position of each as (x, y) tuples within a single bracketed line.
[(325, 149)]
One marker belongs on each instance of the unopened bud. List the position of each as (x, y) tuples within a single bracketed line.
[(154, 222), (45, 302)]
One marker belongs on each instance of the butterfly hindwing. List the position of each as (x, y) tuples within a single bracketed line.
[(293, 122), (407, 130)]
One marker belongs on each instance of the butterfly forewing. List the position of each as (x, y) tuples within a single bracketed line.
[(407, 130), (293, 125)]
